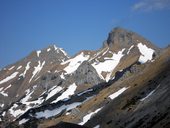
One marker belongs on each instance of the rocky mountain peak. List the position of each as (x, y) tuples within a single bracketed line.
[(120, 37)]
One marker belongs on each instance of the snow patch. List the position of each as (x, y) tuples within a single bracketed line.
[(38, 53), (11, 68), (147, 95), (1, 88), (75, 62), (3, 114), (51, 113), (88, 116), (146, 53), (9, 78), (23, 121), (109, 64), (62, 76), (48, 49), (3, 93), (105, 52), (64, 52), (28, 104), (97, 126), (26, 69), (37, 69), (65, 95), (53, 92), (55, 48), (86, 91), (97, 54), (19, 67), (130, 49), (116, 94), (7, 87), (1, 105)]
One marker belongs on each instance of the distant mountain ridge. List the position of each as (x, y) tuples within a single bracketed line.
[(48, 86)]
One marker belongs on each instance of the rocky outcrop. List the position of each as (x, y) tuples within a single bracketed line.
[(86, 74)]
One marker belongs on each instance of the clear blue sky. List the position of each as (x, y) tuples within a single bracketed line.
[(27, 25)]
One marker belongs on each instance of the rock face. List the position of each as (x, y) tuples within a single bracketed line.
[(48, 80), (86, 74), (120, 37), (119, 85)]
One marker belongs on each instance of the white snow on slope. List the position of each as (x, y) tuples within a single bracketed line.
[(37, 69), (88, 116), (7, 87), (86, 91), (1, 88), (23, 121), (48, 49), (64, 52), (9, 78), (51, 113), (147, 95), (1, 105), (19, 67), (97, 126), (11, 68), (38, 53), (53, 92), (130, 49), (65, 95), (28, 104), (28, 96), (146, 53), (62, 76), (3, 93), (105, 52), (98, 53), (55, 48), (26, 69), (116, 94), (109, 63), (14, 112), (75, 62)]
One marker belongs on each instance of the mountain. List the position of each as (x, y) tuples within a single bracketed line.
[(124, 84)]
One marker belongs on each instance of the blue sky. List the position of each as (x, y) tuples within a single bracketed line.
[(27, 25)]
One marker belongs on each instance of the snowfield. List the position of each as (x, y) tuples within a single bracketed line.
[(130, 49), (37, 69), (75, 62), (108, 65), (88, 116), (65, 95), (38, 53), (116, 94), (146, 53), (53, 92), (51, 113), (26, 69), (13, 75)]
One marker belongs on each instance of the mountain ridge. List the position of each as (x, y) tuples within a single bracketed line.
[(48, 86)]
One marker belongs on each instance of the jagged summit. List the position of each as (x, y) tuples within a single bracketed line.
[(120, 38)]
